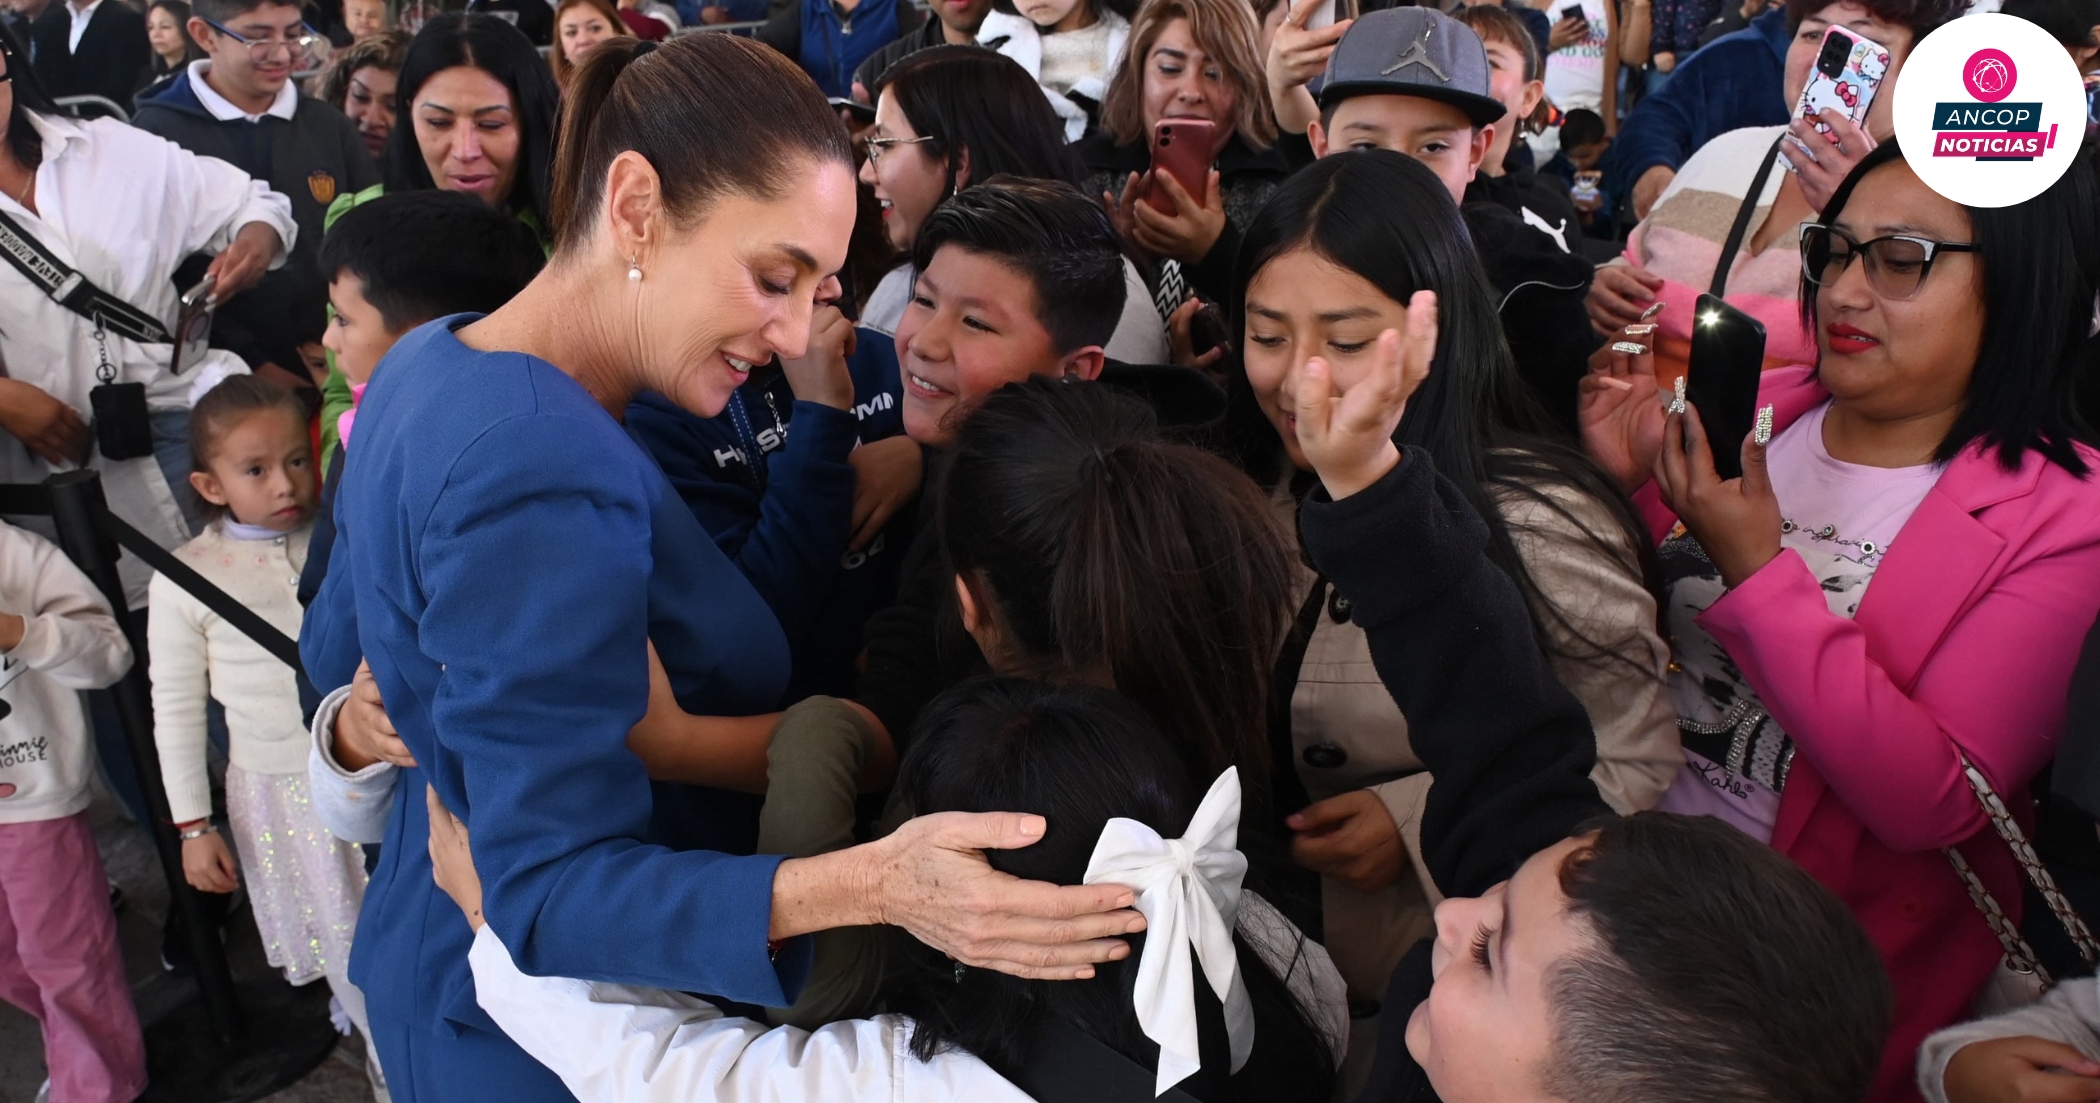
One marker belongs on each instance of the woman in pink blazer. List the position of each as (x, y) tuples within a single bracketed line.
[(1930, 455)]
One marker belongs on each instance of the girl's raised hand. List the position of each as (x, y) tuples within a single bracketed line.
[(1348, 436), (1620, 408)]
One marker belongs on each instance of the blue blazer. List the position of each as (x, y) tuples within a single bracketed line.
[(505, 552)]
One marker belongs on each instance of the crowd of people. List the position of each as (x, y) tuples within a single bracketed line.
[(833, 563)]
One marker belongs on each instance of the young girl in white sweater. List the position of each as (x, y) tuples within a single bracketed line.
[(1071, 48), (254, 466)]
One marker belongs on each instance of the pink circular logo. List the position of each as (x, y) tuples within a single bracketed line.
[(1990, 75)]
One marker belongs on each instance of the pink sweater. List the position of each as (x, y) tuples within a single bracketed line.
[(1964, 645)]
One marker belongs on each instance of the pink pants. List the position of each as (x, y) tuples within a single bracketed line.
[(59, 960)]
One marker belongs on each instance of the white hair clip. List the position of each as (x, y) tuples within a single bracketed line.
[(1189, 892)]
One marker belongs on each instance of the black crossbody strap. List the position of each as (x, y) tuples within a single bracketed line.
[(1066, 1065), (1742, 220), (74, 291)]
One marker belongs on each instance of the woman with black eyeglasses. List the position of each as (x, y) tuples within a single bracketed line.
[(1930, 456)]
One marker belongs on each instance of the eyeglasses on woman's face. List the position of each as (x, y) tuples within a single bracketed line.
[(1896, 265), (877, 146)]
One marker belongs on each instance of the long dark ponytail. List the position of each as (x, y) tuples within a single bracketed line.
[(1106, 549)]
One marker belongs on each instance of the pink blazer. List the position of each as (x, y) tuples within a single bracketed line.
[(1964, 644)]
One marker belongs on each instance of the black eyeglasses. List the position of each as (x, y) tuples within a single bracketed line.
[(1896, 265)]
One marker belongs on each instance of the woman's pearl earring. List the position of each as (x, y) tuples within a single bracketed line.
[(634, 270)]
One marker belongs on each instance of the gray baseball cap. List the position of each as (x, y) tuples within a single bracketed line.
[(1412, 52)]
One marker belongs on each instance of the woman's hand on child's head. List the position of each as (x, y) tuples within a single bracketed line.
[(452, 860), (2021, 1070), (1347, 436), (1736, 521), (932, 879), (208, 865), (1351, 838)]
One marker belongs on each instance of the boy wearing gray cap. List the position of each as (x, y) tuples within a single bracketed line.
[(1415, 81)]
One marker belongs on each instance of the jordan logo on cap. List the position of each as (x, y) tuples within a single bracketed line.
[(1418, 54)]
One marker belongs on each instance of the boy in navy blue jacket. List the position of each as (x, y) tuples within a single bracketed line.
[(806, 481)]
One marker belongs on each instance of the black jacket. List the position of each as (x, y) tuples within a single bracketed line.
[(311, 158), (1509, 747), (1246, 176), (110, 62), (1539, 291)]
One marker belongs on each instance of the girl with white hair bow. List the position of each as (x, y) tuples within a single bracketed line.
[(1223, 1000)]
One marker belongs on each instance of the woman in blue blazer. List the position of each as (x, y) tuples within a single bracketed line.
[(508, 554)]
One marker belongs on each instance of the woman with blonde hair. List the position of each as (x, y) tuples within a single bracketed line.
[(578, 26), (1188, 59)]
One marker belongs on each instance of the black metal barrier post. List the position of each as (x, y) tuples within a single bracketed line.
[(220, 1056)]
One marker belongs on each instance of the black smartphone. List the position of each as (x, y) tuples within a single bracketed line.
[(1572, 11), (1728, 358)]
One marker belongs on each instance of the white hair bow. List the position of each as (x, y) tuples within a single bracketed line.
[(1189, 892)]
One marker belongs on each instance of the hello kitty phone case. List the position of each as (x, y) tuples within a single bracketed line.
[(1848, 72)]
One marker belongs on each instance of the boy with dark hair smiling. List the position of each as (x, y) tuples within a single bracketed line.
[(240, 105)]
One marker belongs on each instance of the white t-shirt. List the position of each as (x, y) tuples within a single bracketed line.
[(1841, 519), (1575, 74)]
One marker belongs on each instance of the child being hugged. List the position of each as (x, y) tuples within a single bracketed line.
[(59, 958), (1071, 48), (254, 468)]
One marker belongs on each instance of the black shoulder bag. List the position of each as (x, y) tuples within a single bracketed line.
[(1742, 221), (123, 431)]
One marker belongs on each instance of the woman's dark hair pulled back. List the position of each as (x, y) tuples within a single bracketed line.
[(479, 41), (1387, 218), (1107, 549), (714, 113), (2039, 269), (1079, 756), (967, 98)]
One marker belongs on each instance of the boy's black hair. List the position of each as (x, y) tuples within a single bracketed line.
[(1047, 231), (223, 12), (1079, 756), (426, 254), (1721, 972), (1581, 127)]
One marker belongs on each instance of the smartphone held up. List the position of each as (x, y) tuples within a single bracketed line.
[(1181, 148), (1727, 363)]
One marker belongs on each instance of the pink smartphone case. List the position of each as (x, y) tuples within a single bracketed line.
[(1851, 91)]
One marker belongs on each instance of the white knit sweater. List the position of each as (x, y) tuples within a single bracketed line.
[(195, 654), (69, 642)]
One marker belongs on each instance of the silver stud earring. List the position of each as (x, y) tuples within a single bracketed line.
[(634, 270)]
